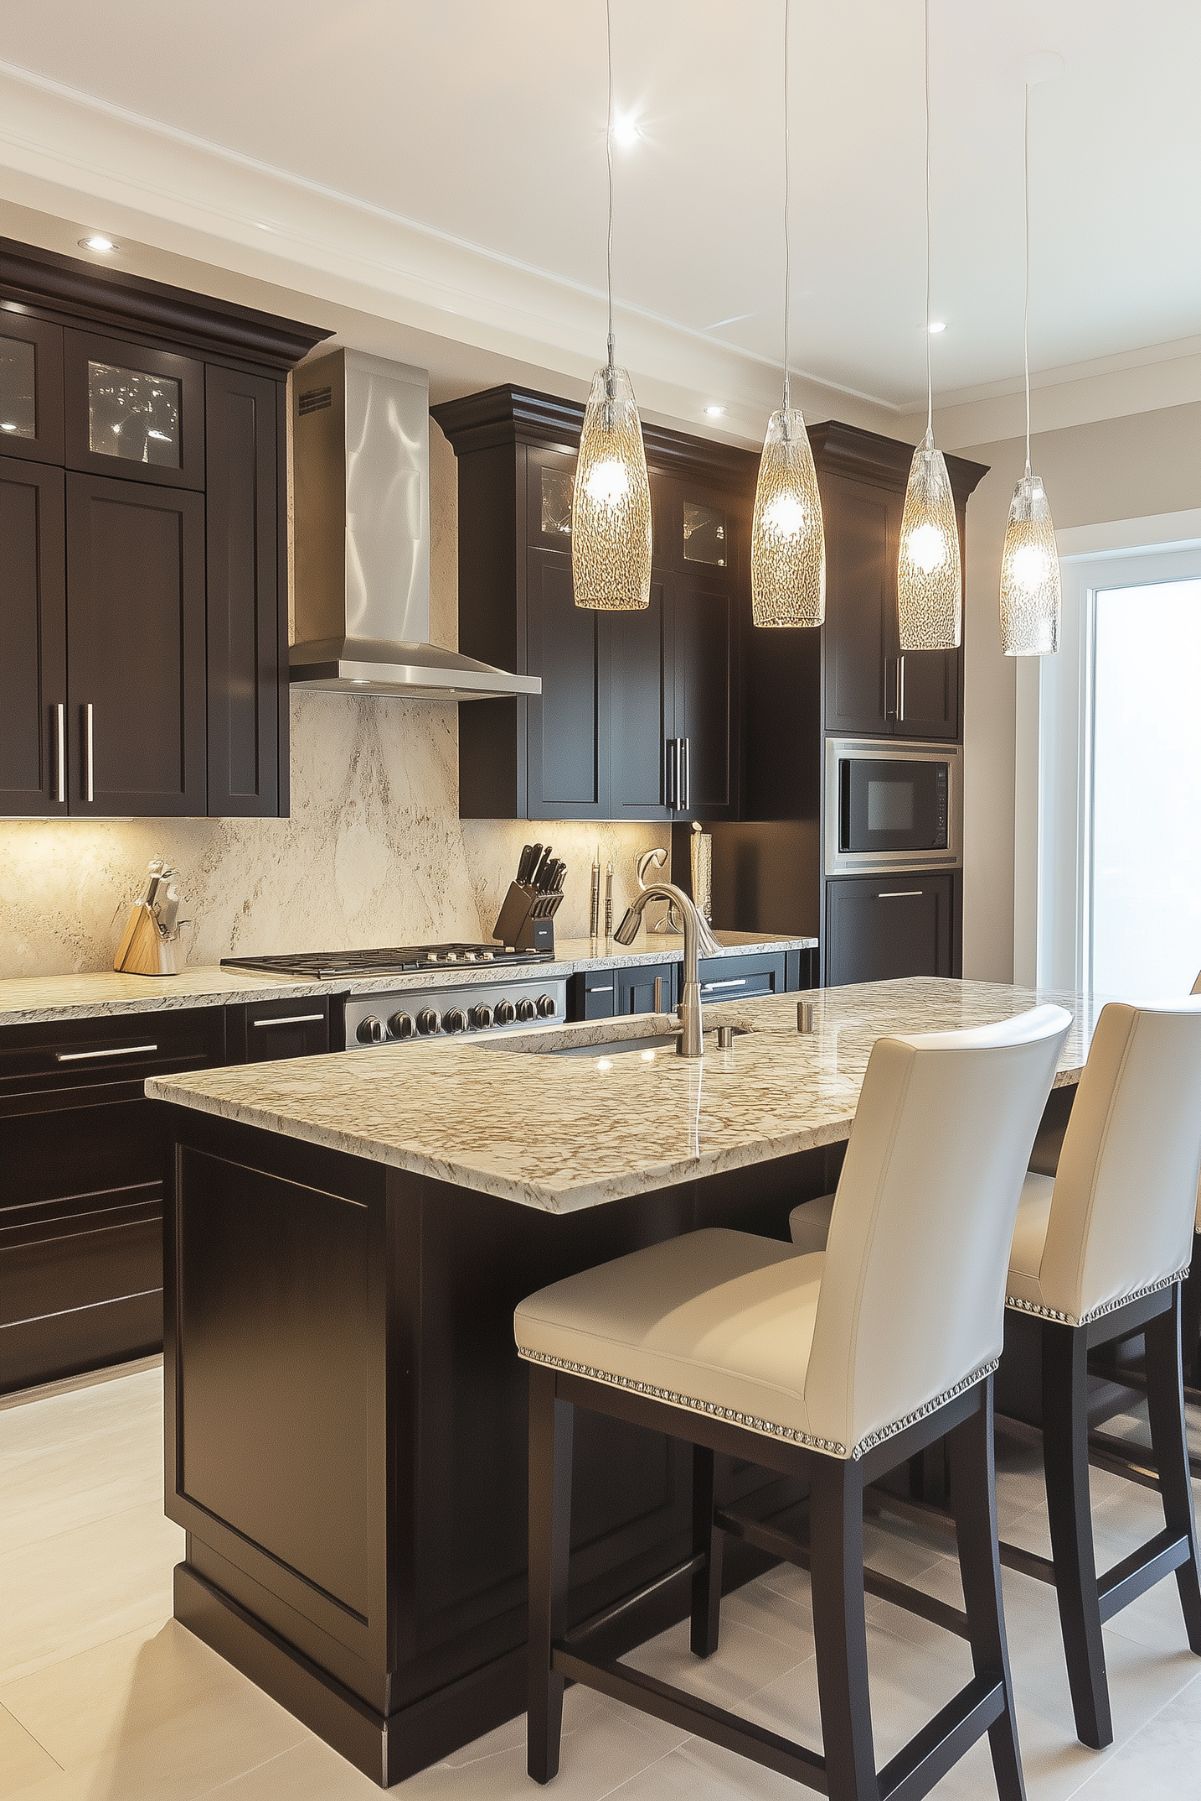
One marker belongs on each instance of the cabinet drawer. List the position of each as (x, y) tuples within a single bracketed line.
[(879, 928), (297, 1027), (736, 978), (81, 1063)]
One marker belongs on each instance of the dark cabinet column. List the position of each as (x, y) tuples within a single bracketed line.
[(704, 633), (136, 684), (33, 642), (567, 769), (879, 928), (862, 522), (247, 613), (641, 711)]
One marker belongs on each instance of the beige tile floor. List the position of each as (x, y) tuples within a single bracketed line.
[(104, 1698)]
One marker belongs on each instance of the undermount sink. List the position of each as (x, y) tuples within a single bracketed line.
[(646, 1043)]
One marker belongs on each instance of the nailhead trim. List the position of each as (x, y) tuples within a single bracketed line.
[(1068, 1319), (827, 1446)]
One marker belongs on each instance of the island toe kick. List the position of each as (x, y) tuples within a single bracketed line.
[(346, 1422)]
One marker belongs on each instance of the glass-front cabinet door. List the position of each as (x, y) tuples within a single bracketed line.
[(133, 411), (31, 388), (549, 478)]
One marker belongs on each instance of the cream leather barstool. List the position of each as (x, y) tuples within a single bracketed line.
[(835, 1368), (1099, 1252)]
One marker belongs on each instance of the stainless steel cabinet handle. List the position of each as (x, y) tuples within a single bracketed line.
[(120, 1050), (89, 752), (60, 751), (290, 1019), (727, 982), (888, 669), (669, 772), (607, 990), (901, 687), (658, 1008), (898, 893), (687, 782)]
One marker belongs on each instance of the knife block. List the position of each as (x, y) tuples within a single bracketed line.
[(143, 950), (519, 926)]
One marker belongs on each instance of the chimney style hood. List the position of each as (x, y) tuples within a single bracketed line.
[(362, 538)]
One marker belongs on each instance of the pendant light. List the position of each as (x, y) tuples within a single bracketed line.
[(788, 540), (611, 496), (1030, 591), (929, 571)]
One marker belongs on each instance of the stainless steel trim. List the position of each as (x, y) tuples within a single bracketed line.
[(725, 982), (899, 893), (840, 862), (60, 740), (901, 686), (669, 770), (687, 782), (290, 1019), (89, 751), (608, 989), (658, 994), (120, 1050)]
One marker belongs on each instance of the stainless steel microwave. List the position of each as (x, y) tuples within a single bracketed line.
[(892, 806)]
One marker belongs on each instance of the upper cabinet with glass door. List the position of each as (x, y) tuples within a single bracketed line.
[(31, 388), (133, 411)]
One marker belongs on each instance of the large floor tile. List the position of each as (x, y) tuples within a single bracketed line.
[(152, 1716), (23, 1762), (85, 1585)]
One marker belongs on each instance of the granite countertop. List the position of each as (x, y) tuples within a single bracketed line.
[(33, 1000), (503, 1117)]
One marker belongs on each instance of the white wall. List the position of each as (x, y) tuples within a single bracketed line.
[(1135, 466)]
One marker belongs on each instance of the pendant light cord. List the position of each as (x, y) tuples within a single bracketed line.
[(1026, 238), (609, 166), (929, 368), (787, 232)]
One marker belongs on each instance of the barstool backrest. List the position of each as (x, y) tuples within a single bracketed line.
[(913, 1289), (1124, 1204)]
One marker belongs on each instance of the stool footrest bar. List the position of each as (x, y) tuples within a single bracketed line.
[(931, 1752), (608, 1616), (1127, 1580)]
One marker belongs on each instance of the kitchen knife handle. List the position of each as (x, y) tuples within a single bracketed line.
[(60, 752), (89, 752)]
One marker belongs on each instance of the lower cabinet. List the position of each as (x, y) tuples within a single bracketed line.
[(656, 987), (85, 1163), (738, 978), (882, 927)]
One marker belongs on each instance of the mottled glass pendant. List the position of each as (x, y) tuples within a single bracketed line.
[(788, 539), (611, 501), (1030, 591), (930, 571)]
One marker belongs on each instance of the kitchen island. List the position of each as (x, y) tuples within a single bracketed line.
[(346, 1239)]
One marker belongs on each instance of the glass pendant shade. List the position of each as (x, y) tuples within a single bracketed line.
[(611, 501), (788, 540), (929, 573), (1030, 591)]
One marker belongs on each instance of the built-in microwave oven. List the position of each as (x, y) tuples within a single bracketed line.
[(892, 806)]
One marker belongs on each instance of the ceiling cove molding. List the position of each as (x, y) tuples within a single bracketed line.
[(137, 176)]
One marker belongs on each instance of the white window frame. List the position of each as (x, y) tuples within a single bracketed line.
[(1054, 742)]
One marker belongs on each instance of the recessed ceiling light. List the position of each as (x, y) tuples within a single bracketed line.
[(99, 242), (626, 130), (8, 425), (935, 326), (714, 411)]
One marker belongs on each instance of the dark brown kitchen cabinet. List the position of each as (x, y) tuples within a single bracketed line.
[(742, 977), (33, 641), (31, 388), (268, 1031), (882, 927), (154, 419), (639, 712), (628, 989)]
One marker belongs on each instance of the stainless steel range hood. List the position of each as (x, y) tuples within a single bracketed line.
[(362, 538)]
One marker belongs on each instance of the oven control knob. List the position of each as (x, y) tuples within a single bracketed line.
[(506, 1013), (400, 1025), (481, 1016), (427, 1021), (546, 1006), (455, 1020), (371, 1030), (526, 1009)]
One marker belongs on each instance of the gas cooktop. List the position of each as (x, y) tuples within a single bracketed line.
[(402, 960)]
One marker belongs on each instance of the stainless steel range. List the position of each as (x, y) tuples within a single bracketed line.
[(500, 989)]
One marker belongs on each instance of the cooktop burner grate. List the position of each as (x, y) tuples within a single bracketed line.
[(395, 960)]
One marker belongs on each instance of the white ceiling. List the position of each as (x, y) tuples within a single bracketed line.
[(483, 121)]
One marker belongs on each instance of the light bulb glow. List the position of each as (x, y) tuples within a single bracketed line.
[(98, 242), (611, 501), (626, 130), (715, 411), (936, 327), (1030, 585), (788, 542), (929, 569)]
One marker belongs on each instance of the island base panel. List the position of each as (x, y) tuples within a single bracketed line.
[(346, 1425)]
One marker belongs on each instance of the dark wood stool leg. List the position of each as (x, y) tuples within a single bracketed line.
[(551, 1422), (707, 1542), (840, 1629), (971, 1456), (1165, 1408), (1190, 1316), (1065, 1465)]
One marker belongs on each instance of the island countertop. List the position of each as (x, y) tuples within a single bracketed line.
[(510, 1119)]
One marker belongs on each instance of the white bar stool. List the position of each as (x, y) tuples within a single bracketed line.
[(835, 1367)]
